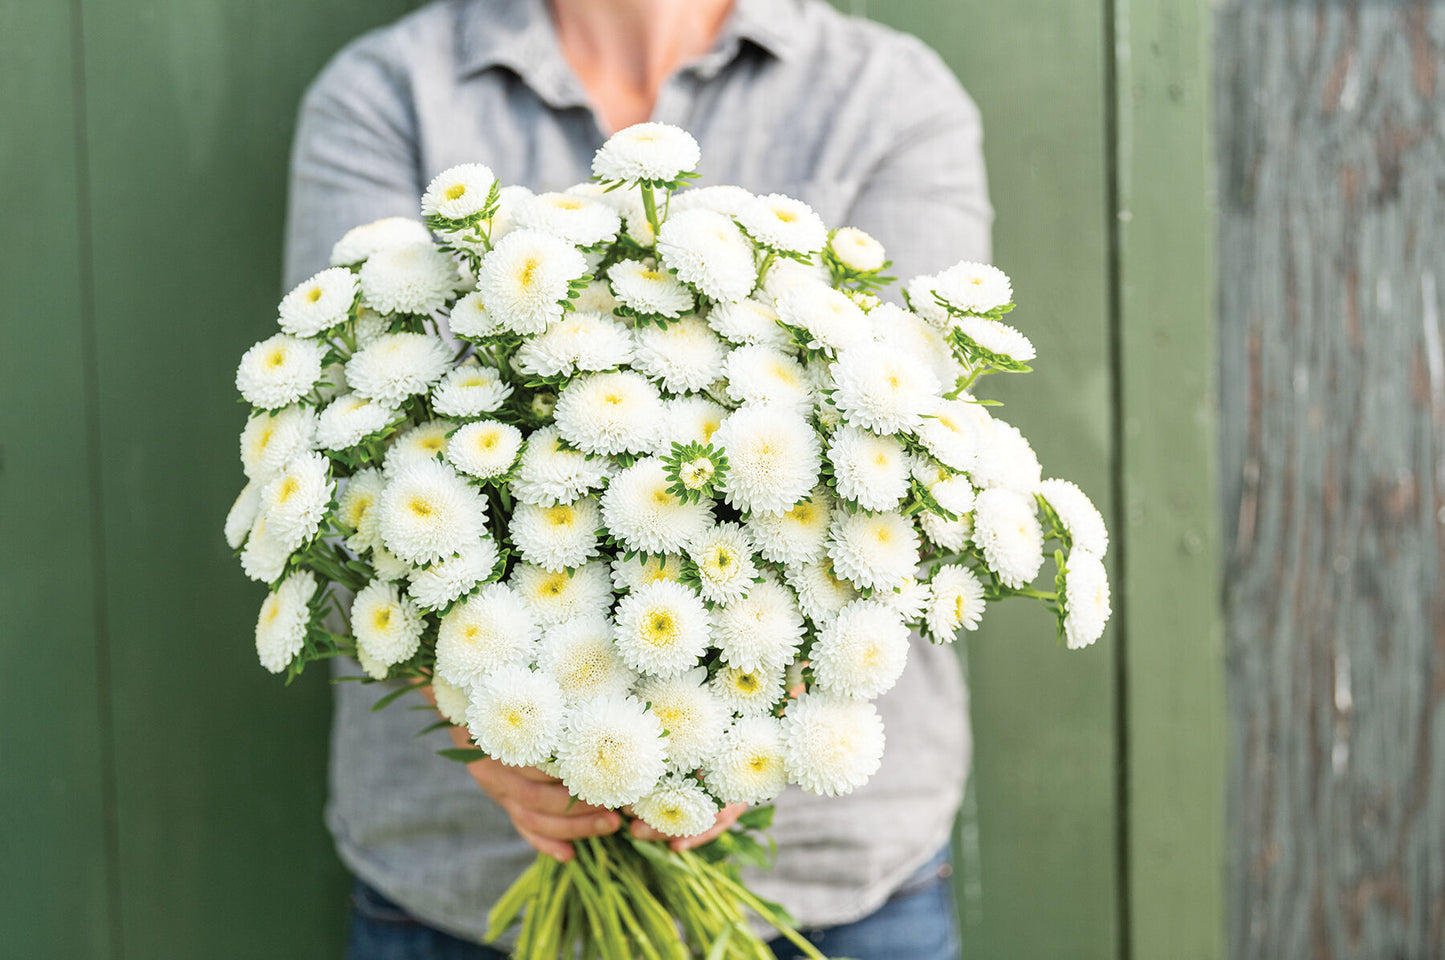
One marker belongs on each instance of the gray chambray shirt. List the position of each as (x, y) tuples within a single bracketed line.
[(864, 124)]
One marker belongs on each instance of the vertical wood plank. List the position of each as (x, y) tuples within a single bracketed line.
[(1333, 375), (53, 855), (221, 771), (1172, 667), (1046, 880)]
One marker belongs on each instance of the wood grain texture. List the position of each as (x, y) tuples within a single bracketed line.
[(1039, 872), (221, 772), (1332, 259), (53, 851), (1173, 696)]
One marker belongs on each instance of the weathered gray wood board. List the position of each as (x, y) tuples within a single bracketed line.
[(1332, 268)]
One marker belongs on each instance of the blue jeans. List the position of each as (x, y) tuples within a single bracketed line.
[(917, 923)]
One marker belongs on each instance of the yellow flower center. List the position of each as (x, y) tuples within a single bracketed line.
[(434, 443), (289, 486), (527, 275), (420, 507), (488, 440), (381, 619), (660, 628), (562, 515), (651, 275), (473, 381), (554, 584), (456, 191), (314, 294), (787, 216), (567, 203), (276, 358), (271, 609), (358, 509)]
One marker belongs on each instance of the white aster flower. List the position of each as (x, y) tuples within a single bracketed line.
[(642, 514), (724, 559), (883, 389), (707, 250), (908, 600), (870, 470), (440, 583), (597, 298), (580, 220), (489, 630), (484, 448), (427, 512), (748, 766), (785, 275), (269, 440), (954, 494), (452, 701), (922, 298), (610, 413), (689, 713), (351, 418), (1086, 599), (874, 549), (677, 807), (861, 653), (830, 317), (580, 655), (1081, 519), (557, 596), (294, 501), (470, 318), (319, 303), (956, 602), (517, 716), (951, 535), (281, 625), (643, 288), (831, 744), (662, 628), (857, 250), (525, 279), (360, 243), (556, 537), (278, 371), (974, 287), (458, 192), (954, 431), (369, 326), (242, 515), (1007, 530), (396, 366), (549, 472), (265, 555), (773, 458), (748, 693), (995, 336), (719, 198), (682, 356), (646, 151), (760, 631), (612, 751), (909, 333), (387, 565), (690, 420), (644, 569), (784, 224), (763, 374), (581, 340), (749, 322), (386, 624), (821, 592), (356, 508), (470, 390), (1006, 460), (416, 278), (796, 535), (421, 443)]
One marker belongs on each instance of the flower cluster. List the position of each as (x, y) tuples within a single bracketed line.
[(646, 479)]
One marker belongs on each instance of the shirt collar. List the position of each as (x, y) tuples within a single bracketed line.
[(518, 35)]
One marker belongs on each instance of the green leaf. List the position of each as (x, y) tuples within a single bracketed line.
[(758, 818), (463, 754), (392, 697)]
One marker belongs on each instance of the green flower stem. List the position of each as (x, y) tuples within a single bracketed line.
[(768, 259), (649, 207), (767, 913)]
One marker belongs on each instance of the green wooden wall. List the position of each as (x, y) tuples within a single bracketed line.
[(161, 795)]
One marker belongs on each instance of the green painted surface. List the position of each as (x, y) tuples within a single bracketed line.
[(1174, 696), (1044, 882), (221, 772), (52, 826)]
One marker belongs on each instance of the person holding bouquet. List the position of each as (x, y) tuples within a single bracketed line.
[(865, 125)]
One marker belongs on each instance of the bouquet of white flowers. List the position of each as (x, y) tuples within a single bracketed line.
[(650, 487)]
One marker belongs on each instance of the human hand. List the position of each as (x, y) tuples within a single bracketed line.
[(541, 809), (726, 817)]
